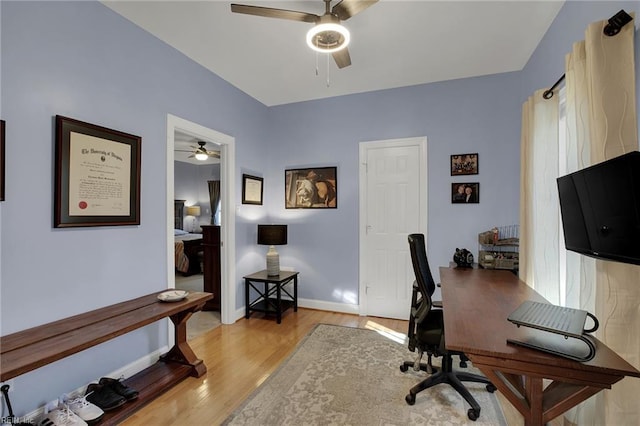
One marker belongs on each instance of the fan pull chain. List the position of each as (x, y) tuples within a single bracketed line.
[(317, 64), (317, 73), (328, 82)]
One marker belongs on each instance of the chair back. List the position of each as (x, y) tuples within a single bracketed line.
[(424, 279)]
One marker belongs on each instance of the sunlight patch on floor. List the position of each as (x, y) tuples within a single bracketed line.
[(386, 332)]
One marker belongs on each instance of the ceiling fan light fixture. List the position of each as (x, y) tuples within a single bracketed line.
[(328, 37), (201, 156)]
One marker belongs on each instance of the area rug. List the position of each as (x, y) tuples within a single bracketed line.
[(350, 376)]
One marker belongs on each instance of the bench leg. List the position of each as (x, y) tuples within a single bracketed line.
[(181, 351)]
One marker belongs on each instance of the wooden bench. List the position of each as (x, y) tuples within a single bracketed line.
[(29, 349)]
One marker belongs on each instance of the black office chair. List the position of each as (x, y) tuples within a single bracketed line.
[(426, 335)]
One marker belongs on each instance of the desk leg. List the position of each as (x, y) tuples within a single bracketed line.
[(181, 351), (525, 392)]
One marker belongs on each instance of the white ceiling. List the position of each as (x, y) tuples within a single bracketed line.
[(394, 43)]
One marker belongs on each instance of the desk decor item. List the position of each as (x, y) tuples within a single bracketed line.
[(464, 164), (463, 258), (272, 235), (97, 175), (311, 188), (252, 189)]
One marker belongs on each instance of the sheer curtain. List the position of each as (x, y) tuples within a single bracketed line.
[(599, 123)]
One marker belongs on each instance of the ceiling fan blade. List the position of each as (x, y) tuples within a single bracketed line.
[(183, 150), (274, 13), (342, 58), (348, 8)]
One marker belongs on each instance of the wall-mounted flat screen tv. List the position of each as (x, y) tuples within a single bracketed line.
[(600, 207)]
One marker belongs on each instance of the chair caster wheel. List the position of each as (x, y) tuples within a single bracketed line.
[(410, 398), (473, 414), (404, 368), (491, 388)]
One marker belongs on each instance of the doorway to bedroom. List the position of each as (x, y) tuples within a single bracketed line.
[(199, 190)]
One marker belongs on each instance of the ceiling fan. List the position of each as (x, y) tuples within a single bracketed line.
[(328, 35), (200, 152)]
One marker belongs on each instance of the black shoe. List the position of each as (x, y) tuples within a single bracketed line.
[(119, 388), (104, 397)]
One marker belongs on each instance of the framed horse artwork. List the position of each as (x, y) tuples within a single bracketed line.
[(313, 188)]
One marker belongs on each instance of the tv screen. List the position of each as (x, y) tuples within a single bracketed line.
[(600, 207)]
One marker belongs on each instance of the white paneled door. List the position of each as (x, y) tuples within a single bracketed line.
[(393, 204)]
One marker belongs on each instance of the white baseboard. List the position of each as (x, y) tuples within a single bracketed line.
[(345, 308), (320, 305), (126, 371)]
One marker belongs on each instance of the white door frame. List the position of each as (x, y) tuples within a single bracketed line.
[(228, 219), (421, 142)]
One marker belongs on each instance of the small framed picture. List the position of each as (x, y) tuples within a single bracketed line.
[(465, 192), (464, 164), (252, 189)]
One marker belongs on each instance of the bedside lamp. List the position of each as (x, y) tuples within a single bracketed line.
[(272, 235), (195, 212)]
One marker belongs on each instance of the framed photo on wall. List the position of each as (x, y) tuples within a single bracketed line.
[(313, 188), (465, 192), (252, 189), (97, 175), (464, 164)]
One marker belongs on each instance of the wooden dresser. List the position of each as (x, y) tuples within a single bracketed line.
[(211, 264)]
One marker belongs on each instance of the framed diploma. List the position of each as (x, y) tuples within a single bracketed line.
[(252, 189), (97, 175)]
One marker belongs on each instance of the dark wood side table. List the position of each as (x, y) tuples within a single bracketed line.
[(269, 298)]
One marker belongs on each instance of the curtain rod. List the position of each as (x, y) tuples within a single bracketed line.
[(616, 22)]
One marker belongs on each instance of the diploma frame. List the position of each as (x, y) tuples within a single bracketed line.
[(68, 165), (252, 189)]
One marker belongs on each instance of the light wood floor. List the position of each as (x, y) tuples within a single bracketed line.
[(239, 357)]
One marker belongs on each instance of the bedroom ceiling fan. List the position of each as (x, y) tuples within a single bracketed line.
[(328, 35), (200, 152)]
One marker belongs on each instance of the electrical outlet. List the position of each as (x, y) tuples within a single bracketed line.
[(12, 385)]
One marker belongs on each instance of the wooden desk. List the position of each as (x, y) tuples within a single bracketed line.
[(477, 303)]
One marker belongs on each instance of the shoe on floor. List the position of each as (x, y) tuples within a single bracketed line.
[(104, 397), (62, 416), (84, 409), (118, 387)]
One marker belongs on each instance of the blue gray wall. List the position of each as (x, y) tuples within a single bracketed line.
[(81, 60), (471, 115)]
